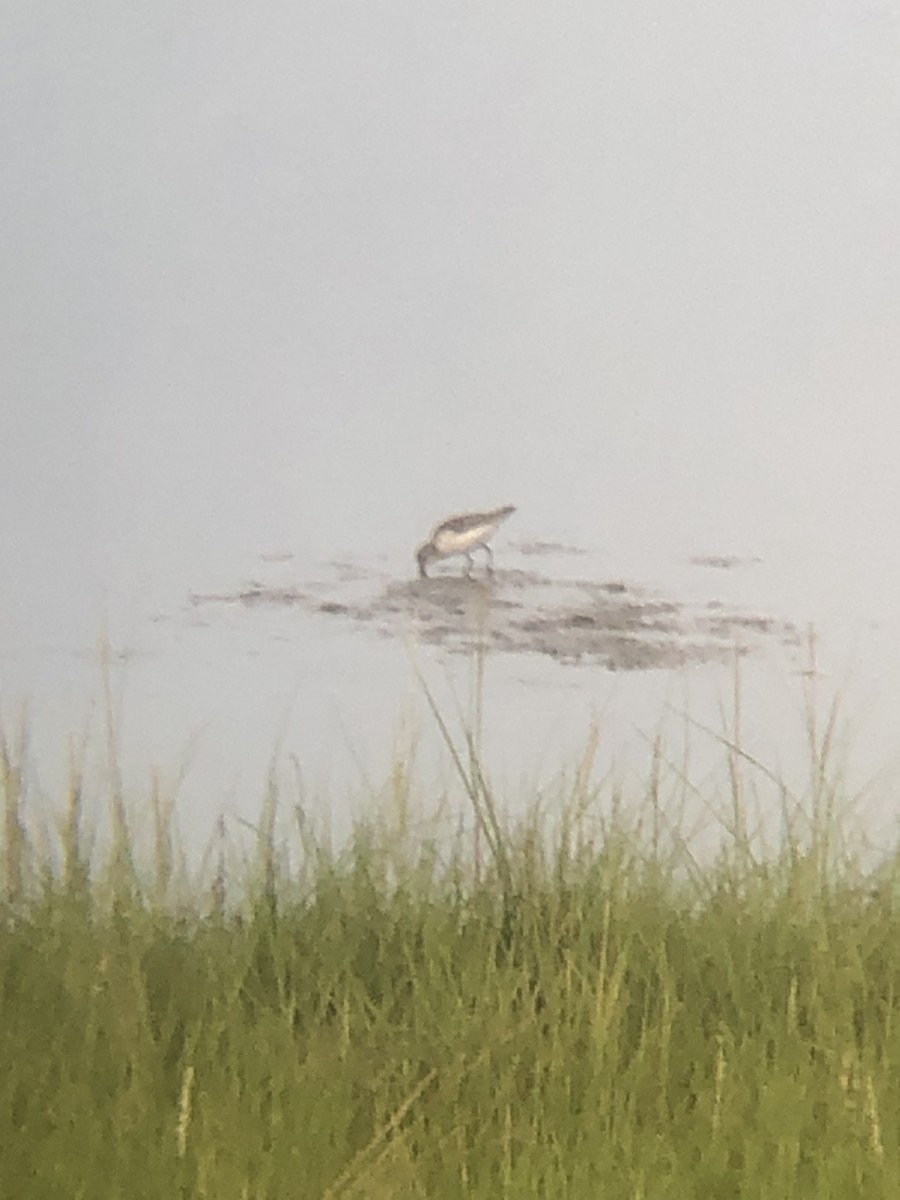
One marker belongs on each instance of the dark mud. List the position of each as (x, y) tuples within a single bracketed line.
[(607, 623), (721, 562)]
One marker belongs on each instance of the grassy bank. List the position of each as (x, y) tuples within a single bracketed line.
[(572, 1011)]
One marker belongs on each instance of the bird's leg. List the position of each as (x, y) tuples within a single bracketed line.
[(490, 558), (470, 563)]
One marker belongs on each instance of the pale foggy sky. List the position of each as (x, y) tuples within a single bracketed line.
[(296, 274)]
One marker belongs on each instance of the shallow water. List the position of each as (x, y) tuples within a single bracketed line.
[(314, 671), (283, 294)]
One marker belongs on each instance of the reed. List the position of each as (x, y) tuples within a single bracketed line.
[(593, 1009)]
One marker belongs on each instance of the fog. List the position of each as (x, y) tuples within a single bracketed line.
[(304, 279)]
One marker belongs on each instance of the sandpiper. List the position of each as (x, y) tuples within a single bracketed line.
[(462, 535)]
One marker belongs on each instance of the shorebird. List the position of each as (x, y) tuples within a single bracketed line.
[(462, 535)]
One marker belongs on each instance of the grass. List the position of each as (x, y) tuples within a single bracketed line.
[(566, 1009)]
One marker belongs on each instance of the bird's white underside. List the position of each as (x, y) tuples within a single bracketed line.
[(448, 541)]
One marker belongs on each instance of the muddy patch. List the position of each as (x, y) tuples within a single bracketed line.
[(607, 623), (542, 549), (722, 562)]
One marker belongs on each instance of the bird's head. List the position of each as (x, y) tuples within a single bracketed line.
[(424, 555)]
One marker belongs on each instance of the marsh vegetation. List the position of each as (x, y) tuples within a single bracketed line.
[(570, 1003)]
